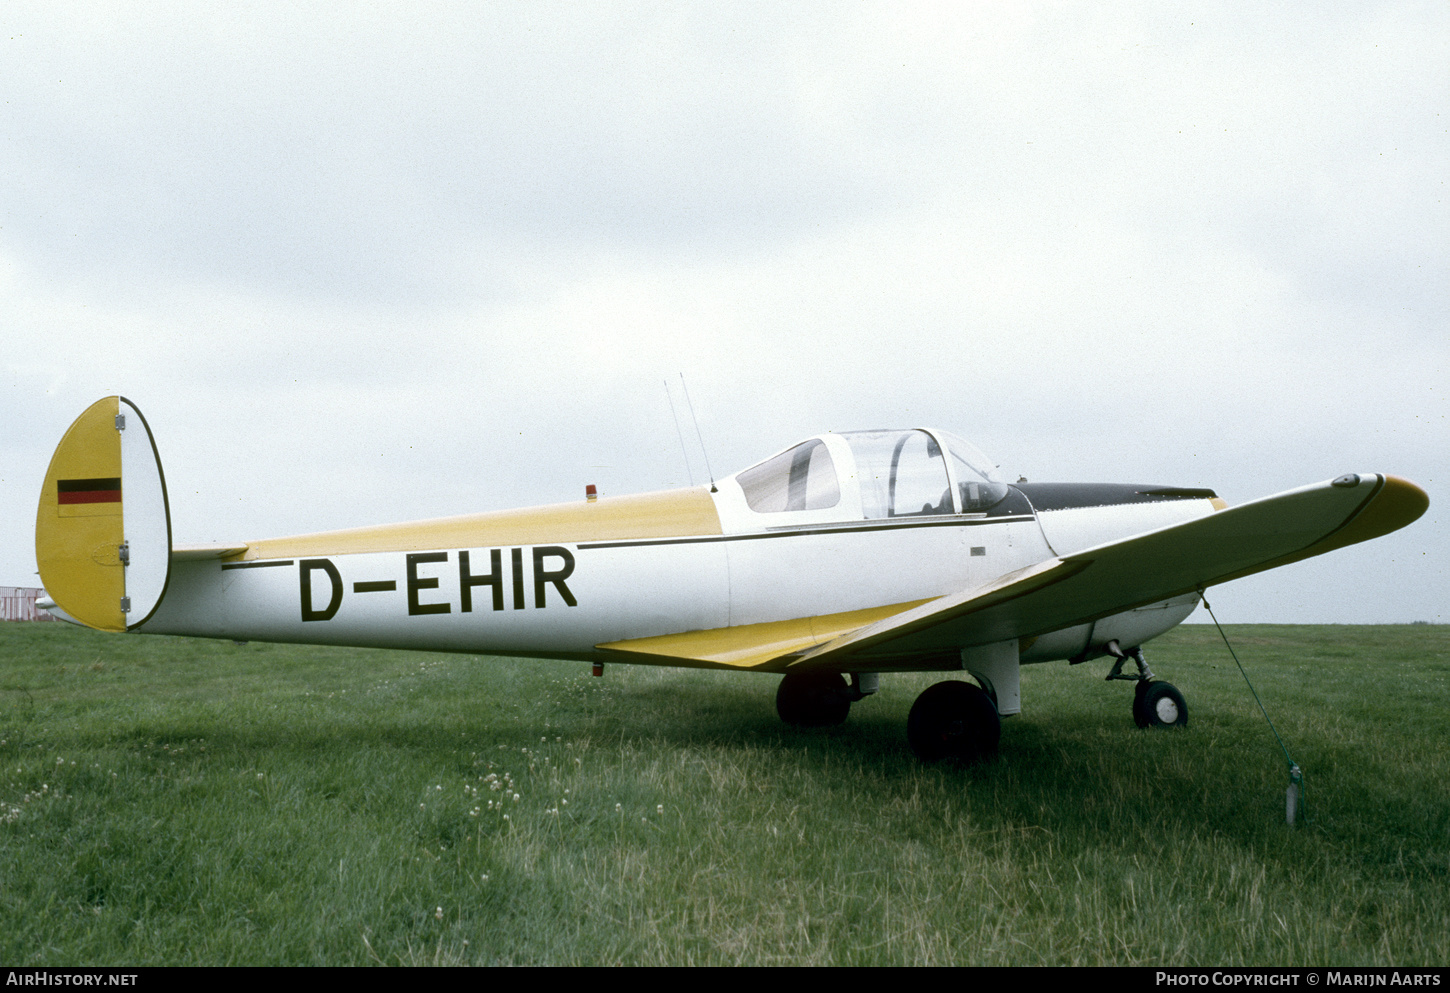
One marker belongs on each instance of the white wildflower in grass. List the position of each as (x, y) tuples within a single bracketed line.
[(438, 913), (659, 808), (483, 878), (618, 808)]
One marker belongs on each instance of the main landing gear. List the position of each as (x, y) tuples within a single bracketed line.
[(954, 720), (1156, 704), (951, 720), (813, 699)]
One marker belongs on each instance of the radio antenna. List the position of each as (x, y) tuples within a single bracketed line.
[(701, 438), (679, 434)]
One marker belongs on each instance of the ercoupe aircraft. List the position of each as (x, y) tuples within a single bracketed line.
[(833, 561)]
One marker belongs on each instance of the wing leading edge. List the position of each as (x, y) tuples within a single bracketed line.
[(1075, 589)]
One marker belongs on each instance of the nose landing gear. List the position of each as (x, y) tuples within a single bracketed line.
[(1156, 704), (1159, 705)]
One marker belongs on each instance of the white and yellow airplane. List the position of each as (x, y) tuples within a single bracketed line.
[(829, 563)]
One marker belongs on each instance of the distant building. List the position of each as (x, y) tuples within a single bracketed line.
[(17, 603)]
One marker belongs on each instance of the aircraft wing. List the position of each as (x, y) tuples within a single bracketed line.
[(1074, 589)]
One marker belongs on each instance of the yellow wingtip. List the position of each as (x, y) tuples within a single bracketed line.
[(1398, 503)]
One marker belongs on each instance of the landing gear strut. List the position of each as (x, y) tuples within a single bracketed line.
[(1156, 704), (954, 720)]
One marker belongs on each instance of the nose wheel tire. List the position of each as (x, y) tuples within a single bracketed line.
[(1159, 705), (953, 720), (813, 699)]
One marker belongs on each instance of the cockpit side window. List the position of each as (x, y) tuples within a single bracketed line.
[(802, 478), (902, 473)]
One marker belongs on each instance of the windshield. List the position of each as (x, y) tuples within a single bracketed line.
[(979, 483)]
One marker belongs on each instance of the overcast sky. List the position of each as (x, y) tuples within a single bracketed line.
[(363, 263)]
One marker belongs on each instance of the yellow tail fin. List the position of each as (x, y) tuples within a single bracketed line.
[(103, 529)]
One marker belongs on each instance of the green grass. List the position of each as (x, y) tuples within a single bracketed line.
[(177, 801)]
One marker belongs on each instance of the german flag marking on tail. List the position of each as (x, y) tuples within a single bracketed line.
[(88, 497), (88, 490)]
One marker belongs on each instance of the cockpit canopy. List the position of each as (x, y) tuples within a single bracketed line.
[(912, 473)]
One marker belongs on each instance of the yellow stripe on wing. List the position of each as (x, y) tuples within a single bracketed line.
[(1396, 503), (746, 646)]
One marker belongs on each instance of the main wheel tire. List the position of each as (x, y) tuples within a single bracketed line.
[(813, 699), (953, 720), (1160, 706)]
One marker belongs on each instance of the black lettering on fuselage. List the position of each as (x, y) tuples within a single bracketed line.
[(467, 581), (305, 570), (415, 584), (516, 559), (543, 577)]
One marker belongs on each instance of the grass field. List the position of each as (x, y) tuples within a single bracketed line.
[(176, 801)]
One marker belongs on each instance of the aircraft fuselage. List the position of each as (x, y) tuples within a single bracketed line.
[(563, 599)]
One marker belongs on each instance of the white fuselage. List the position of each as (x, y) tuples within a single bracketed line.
[(562, 599)]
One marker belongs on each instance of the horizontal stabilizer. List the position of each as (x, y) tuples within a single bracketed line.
[(205, 553)]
